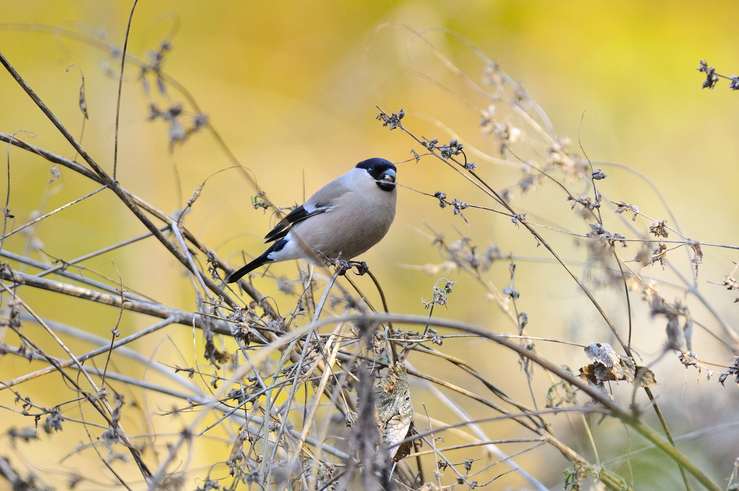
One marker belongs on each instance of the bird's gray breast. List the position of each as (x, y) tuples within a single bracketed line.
[(356, 222)]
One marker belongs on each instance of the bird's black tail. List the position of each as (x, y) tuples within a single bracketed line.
[(236, 275), (261, 260)]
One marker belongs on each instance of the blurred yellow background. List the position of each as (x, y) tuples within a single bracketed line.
[(293, 88)]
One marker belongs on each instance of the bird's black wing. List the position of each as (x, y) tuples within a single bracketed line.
[(322, 201), (297, 215)]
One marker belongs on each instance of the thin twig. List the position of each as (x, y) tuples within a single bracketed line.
[(120, 90)]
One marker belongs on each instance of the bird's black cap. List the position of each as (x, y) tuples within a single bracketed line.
[(376, 166)]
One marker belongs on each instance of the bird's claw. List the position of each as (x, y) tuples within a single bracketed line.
[(361, 266), (343, 266)]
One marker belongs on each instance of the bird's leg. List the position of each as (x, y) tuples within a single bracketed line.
[(342, 266)]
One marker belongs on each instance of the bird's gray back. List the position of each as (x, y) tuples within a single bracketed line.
[(328, 193)]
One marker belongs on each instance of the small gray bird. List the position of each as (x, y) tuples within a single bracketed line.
[(341, 221)]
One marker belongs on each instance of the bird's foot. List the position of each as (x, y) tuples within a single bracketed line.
[(343, 266)]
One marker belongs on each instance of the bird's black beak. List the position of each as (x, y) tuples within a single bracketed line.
[(387, 181)]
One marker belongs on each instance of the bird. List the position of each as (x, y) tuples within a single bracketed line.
[(342, 220)]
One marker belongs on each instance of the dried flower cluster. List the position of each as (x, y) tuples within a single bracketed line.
[(713, 77)]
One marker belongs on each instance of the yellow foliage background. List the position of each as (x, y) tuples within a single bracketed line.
[(292, 86)]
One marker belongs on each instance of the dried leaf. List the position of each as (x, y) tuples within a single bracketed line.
[(608, 366), (561, 393), (394, 407), (603, 353), (83, 99), (688, 333), (405, 448), (646, 377), (696, 257), (675, 335)]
